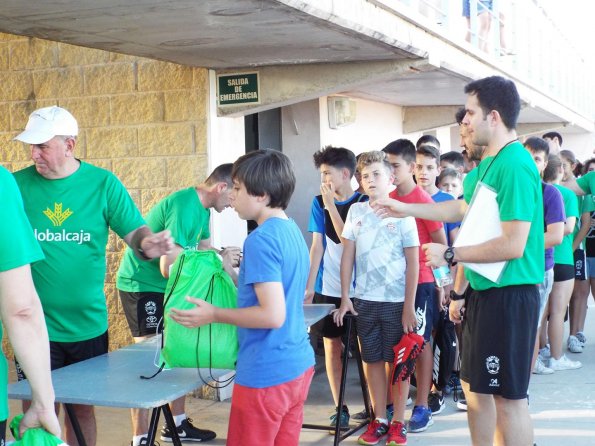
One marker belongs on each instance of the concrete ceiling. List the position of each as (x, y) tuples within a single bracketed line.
[(224, 34), (206, 33)]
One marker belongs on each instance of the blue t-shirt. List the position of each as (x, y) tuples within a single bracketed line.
[(328, 281), (439, 197), (274, 252)]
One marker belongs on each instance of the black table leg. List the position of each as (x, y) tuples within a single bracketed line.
[(153, 425), (75, 425), (342, 434), (169, 419)]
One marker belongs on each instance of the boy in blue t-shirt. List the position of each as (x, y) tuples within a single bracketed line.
[(387, 255), (327, 217), (275, 359)]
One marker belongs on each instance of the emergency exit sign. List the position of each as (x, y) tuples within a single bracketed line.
[(240, 88)]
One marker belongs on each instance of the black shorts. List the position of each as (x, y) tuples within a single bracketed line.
[(67, 353), (379, 328), (427, 312), (326, 327), (143, 311), (563, 272), (2, 432), (580, 265), (499, 337)]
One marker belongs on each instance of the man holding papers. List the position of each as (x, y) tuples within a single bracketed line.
[(501, 312)]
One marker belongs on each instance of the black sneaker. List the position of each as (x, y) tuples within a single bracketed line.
[(188, 432), (436, 403), (363, 415)]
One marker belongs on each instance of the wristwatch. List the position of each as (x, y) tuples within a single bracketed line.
[(449, 256), (455, 296)]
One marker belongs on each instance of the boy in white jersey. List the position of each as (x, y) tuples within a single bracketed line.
[(386, 253)]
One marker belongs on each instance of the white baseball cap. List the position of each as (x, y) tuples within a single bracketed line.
[(47, 122)]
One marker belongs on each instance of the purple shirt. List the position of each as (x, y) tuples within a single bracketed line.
[(553, 212)]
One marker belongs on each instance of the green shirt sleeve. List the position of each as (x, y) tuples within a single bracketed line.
[(17, 242), (586, 182), (123, 215)]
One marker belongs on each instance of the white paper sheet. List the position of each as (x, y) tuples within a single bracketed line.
[(482, 223)]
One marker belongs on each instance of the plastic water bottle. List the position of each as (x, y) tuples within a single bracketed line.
[(442, 275)]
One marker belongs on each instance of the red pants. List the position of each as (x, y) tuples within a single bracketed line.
[(271, 416)]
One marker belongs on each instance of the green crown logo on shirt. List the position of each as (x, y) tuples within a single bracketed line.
[(57, 216)]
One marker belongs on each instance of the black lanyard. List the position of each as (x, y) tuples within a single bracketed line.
[(494, 159)]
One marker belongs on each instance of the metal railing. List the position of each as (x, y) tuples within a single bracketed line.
[(527, 42)]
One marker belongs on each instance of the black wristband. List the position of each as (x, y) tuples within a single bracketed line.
[(454, 296)]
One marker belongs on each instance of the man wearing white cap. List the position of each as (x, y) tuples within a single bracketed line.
[(71, 206)]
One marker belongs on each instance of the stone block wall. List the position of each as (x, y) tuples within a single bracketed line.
[(143, 119)]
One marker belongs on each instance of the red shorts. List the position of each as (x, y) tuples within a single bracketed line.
[(271, 416)]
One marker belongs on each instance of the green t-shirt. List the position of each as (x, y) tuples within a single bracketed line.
[(563, 254), (586, 206), (184, 215), (587, 183), (514, 177), (71, 217), (19, 247)]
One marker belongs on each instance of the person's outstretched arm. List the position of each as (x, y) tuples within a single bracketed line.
[(22, 316)]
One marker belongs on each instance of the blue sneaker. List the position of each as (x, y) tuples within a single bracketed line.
[(390, 411), (421, 419), (343, 419)]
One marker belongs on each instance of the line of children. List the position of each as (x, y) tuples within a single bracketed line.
[(386, 252), (554, 219), (563, 274)]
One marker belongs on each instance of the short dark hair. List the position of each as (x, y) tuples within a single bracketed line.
[(460, 115), (221, 174), (338, 157), (429, 151), (427, 140), (499, 94), (537, 144), (552, 135), (401, 147), (453, 157), (266, 172), (551, 170), (586, 165)]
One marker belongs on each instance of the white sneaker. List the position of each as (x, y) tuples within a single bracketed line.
[(574, 345), (541, 369), (545, 353), (564, 364), (581, 338)]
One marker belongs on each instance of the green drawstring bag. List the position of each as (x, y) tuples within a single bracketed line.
[(32, 437), (199, 274)]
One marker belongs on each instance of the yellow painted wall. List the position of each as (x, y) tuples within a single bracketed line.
[(143, 119)]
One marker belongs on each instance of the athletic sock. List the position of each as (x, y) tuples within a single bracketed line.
[(179, 418)]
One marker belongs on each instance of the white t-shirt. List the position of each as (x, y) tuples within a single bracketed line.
[(379, 252)]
